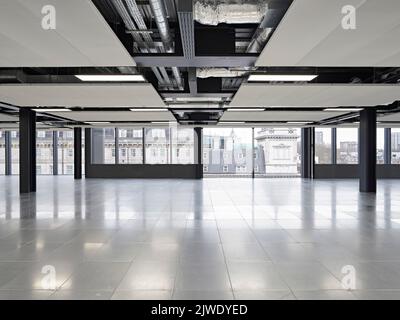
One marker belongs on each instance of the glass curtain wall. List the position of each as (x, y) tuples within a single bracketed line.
[(277, 152), (323, 145), (157, 146), (395, 137), (2, 153), (182, 144), (227, 151), (347, 145), (130, 146), (14, 152), (65, 152), (44, 152), (103, 146), (380, 145)]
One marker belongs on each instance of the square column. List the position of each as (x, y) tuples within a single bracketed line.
[(368, 150), (77, 153), (198, 151), (307, 153), (27, 150)]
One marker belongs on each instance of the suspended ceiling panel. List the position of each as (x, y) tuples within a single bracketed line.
[(311, 34), (279, 116), (6, 117), (81, 38), (83, 95), (115, 116), (390, 117), (315, 95)]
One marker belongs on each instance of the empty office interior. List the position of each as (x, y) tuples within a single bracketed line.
[(205, 149)]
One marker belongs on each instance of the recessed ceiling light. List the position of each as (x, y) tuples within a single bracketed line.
[(112, 77), (51, 110), (343, 109), (246, 109), (231, 122), (97, 122), (281, 77), (298, 122), (197, 99), (149, 109)]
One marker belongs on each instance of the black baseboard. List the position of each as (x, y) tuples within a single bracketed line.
[(143, 171)]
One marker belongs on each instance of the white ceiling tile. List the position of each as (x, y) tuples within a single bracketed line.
[(82, 37), (82, 95), (311, 34)]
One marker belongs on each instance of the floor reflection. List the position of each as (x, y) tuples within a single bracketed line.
[(211, 238)]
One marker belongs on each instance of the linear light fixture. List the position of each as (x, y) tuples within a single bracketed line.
[(298, 122), (246, 109), (97, 122), (111, 77), (281, 77), (343, 109), (52, 110), (231, 122), (160, 122), (149, 109)]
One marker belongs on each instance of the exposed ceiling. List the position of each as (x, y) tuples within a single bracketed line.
[(311, 34), (196, 58)]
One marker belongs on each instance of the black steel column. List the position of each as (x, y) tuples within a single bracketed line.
[(143, 146), (55, 153), (27, 150), (307, 153), (77, 153), (116, 147), (88, 149), (252, 153), (387, 148), (198, 151), (7, 137), (367, 150), (334, 146)]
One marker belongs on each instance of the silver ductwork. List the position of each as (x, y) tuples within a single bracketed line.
[(214, 12), (160, 17), (131, 11), (219, 73)]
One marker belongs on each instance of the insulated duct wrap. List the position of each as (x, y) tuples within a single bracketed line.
[(214, 12)]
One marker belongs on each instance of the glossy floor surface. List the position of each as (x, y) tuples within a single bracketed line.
[(211, 239)]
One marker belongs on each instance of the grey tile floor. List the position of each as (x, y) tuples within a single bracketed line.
[(211, 239)]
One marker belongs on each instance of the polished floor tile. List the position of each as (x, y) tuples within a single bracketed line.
[(232, 238)]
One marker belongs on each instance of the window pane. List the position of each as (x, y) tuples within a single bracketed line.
[(130, 146), (323, 144), (157, 145), (65, 152), (44, 152), (380, 142), (347, 145), (15, 152), (277, 151), (182, 146), (103, 146), (2, 153), (395, 145), (227, 151)]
